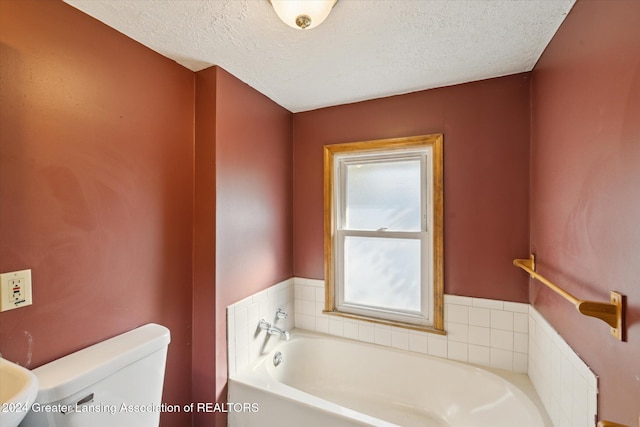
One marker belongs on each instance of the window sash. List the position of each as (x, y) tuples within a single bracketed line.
[(385, 158), (421, 316)]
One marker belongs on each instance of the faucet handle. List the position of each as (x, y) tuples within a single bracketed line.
[(281, 314), (264, 325)]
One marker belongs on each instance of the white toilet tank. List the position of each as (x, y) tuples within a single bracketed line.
[(117, 382)]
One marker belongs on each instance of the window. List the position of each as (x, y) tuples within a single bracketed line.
[(383, 231)]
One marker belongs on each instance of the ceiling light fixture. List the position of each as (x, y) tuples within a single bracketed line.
[(303, 14)]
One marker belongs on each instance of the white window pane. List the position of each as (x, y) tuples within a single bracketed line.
[(382, 272), (383, 195)]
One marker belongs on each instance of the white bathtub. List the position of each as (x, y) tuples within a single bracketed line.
[(329, 381)]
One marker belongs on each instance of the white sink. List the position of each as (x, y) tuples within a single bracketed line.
[(18, 390)]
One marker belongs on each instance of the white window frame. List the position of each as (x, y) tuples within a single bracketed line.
[(428, 149)]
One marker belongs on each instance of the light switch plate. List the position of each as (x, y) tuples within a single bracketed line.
[(15, 289)]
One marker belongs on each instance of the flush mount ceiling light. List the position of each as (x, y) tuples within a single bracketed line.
[(303, 14)]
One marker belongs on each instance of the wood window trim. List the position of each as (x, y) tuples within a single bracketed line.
[(435, 141)]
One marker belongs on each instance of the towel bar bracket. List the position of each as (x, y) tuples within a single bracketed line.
[(611, 313)]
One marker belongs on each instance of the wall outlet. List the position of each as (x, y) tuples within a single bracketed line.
[(15, 289)]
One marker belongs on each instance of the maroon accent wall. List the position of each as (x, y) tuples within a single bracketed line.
[(243, 187), (254, 188), (585, 192), (96, 149), (204, 243), (486, 167)]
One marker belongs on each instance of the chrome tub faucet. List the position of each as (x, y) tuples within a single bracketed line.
[(273, 330)]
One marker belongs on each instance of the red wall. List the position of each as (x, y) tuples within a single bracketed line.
[(95, 187), (585, 195), (204, 243), (248, 157), (486, 175)]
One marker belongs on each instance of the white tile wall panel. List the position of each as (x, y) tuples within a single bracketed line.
[(484, 324)]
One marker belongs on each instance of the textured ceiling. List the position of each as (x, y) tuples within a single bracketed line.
[(365, 49)]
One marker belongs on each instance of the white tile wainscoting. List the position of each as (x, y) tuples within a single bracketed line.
[(245, 342), (479, 331), (492, 333), (567, 387)]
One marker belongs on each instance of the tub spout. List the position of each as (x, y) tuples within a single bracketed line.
[(273, 330)]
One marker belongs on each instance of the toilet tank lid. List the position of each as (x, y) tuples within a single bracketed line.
[(70, 374)]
